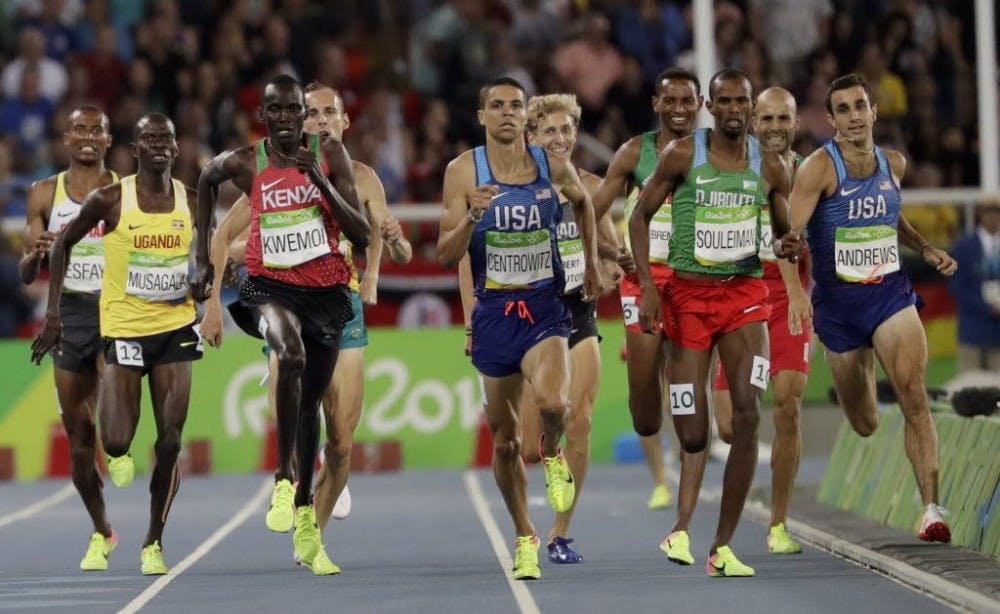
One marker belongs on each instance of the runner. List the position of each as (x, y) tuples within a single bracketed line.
[(52, 203), (720, 181), (676, 103), (775, 121), (863, 305), (501, 208), (296, 293), (147, 315)]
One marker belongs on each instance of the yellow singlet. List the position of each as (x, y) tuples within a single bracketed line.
[(145, 288)]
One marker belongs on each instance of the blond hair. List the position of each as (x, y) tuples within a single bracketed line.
[(540, 106)]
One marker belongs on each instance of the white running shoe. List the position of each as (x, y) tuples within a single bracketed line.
[(342, 508), (934, 528)]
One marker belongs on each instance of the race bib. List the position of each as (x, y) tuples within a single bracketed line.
[(682, 399), (128, 353), (85, 269), (766, 253), (723, 235), (571, 254), (630, 310), (866, 253), (153, 277), (517, 259), (661, 227), (291, 238)]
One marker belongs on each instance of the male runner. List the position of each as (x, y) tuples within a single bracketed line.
[(147, 315), (676, 103), (342, 401), (720, 181), (296, 293), (52, 203), (863, 305), (775, 121), (501, 207)]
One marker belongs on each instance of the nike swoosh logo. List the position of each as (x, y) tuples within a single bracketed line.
[(702, 181), (751, 308), (131, 227), (500, 194), (64, 214), (186, 344), (844, 192), (268, 186)]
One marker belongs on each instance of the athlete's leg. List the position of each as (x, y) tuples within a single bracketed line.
[(170, 392), (502, 395), (854, 380), (320, 362), (902, 349), (118, 404), (744, 353), (646, 363), (585, 371), (284, 336), (342, 407), (77, 393), (789, 386), (531, 426), (546, 368)]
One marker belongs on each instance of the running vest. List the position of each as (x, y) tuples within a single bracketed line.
[(86, 259), (514, 246), (766, 253), (347, 249), (570, 248), (293, 235), (717, 215), (852, 233), (145, 287), (661, 226)]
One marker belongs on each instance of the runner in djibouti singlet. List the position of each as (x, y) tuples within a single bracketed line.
[(516, 270), (716, 215)]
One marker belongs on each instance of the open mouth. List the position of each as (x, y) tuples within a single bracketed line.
[(88, 149), (679, 120)]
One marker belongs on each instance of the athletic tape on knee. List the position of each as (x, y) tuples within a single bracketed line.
[(760, 372), (682, 399)]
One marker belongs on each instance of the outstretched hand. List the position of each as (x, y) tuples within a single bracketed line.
[(201, 282), (46, 339)]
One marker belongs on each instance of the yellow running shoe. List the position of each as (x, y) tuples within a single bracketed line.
[(526, 558), (677, 547), (306, 539), (725, 564), (322, 565), (779, 542), (152, 560), (660, 499), (121, 469), (559, 484), (100, 547), (281, 516)]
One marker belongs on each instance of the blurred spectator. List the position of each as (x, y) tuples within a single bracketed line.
[(27, 115), (15, 308), (52, 77), (653, 32), (793, 29), (13, 183), (589, 65), (51, 20), (106, 72), (976, 288)]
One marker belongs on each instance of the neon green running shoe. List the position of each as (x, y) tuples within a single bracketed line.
[(306, 539), (660, 499), (321, 564), (677, 547), (281, 516), (100, 547), (780, 542), (725, 564), (152, 560), (559, 484), (121, 469), (526, 558)]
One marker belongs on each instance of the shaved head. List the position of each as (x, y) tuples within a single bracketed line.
[(779, 96), (151, 119), (776, 120)]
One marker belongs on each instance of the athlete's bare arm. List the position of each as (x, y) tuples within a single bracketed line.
[(618, 176), (464, 205), (37, 239), (233, 224), (389, 230), (103, 204), (467, 292), (777, 178), (564, 174), (347, 209), (235, 165), (814, 179)]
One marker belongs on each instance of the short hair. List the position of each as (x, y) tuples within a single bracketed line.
[(315, 86), (485, 90), (679, 74), (92, 108), (846, 82), (281, 80), (151, 117), (540, 106), (727, 74)]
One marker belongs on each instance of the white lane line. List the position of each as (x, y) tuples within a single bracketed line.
[(206, 546), (525, 602), (54, 499)]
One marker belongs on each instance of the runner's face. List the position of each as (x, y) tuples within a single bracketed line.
[(775, 123), (325, 115), (504, 114), (853, 114), (556, 134), (677, 105), (731, 106), (156, 146), (87, 137), (283, 111)]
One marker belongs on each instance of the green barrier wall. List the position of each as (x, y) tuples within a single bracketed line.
[(872, 477)]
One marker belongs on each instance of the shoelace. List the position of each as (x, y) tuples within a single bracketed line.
[(522, 310)]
